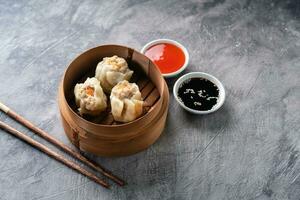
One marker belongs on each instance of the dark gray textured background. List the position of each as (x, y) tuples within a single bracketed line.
[(247, 150)]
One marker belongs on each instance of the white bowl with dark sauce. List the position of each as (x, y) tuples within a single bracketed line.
[(199, 92)]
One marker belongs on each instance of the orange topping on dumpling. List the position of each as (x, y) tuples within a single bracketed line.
[(89, 91)]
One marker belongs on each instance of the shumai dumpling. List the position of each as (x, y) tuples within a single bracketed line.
[(112, 70), (126, 102), (90, 97)]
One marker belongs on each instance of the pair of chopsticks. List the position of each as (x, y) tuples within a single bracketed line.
[(58, 144)]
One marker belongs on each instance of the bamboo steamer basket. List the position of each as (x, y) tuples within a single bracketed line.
[(102, 135)]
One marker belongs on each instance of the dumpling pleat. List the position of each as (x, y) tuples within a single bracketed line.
[(118, 107)]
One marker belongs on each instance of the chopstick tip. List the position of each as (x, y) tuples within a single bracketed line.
[(3, 107)]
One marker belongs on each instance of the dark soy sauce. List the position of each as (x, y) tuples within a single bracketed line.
[(198, 94)]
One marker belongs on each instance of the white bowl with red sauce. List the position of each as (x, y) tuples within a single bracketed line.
[(170, 56), (207, 78)]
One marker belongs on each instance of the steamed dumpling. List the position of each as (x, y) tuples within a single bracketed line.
[(126, 101), (112, 70), (90, 97)]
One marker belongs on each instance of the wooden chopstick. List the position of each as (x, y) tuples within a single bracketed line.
[(59, 144), (52, 153)]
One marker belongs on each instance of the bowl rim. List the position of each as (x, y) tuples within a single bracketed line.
[(87, 121), (211, 78), (170, 41)]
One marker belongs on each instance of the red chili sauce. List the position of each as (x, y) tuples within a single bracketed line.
[(168, 57)]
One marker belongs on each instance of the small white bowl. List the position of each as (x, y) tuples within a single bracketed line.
[(159, 41), (209, 77)]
